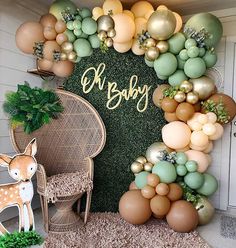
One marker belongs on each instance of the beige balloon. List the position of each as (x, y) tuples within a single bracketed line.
[(136, 48), (140, 8), (161, 24), (129, 13), (97, 12), (179, 22), (123, 47), (140, 26), (112, 5)]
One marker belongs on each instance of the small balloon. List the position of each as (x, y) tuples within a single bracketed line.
[(72, 56), (108, 42), (192, 97), (67, 47), (111, 33), (60, 27), (163, 46), (49, 33), (48, 20), (148, 166), (136, 167), (61, 38), (180, 96), (148, 192), (152, 53)]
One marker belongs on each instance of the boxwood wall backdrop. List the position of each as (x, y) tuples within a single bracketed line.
[(120, 87)]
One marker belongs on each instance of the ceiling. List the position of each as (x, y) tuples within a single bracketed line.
[(183, 7)]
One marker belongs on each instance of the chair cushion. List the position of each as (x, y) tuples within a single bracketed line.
[(68, 184)]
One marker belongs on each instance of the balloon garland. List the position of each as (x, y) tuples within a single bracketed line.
[(171, 180)]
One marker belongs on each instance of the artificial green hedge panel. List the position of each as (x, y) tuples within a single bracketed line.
[(129, 132)]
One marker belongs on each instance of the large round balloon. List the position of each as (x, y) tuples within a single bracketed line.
[(165, 64), (194, 180), (82, 47), (176, 134), (161, 24), (155, 151), (176, 43), (63, 68), (165, 171), (208, 23), (209, 186), (134, 208), (123, 47), (89, 26), (114, 6), (59, 6), (27, 35), (125, 28), (194, 67), (182, 217), (140, 8)]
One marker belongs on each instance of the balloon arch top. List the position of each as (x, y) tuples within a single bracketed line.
[(171, 180)]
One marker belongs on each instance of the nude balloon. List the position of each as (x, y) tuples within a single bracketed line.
[(136, 48), (123, 47), (140, 25), (219, 132), (140, 8)]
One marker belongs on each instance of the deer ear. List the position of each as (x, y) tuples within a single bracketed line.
[(5, 160), (31, 148)]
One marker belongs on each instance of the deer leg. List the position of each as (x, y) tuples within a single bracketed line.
[(21, 218), (31, 216)]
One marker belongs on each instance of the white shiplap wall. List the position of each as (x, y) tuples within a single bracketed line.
[(13, 67)]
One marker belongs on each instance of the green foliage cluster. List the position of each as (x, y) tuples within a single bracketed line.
[(31, 107), (171, 91), (20, 240), (189, 194)]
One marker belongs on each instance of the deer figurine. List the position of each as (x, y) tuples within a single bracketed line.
[(21, 168)]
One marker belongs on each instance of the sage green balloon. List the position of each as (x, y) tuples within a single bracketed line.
[(184, 54), (202, 51), (209, 185), (210, 23), (77, 24), (176, 43), (141, 179), (59, 6), (94, 41), (194, 67), (70, 35), (78, 17), (83, 35), (177, 78), (180, 62), (210, 59), (162, 77), (165, 170), (165, 64), (149, 63), (77, 32), (194, 180), (85, 12), (70, 25), (181, 158), (193, 52), (82, 47), (181, 170), (89, 26), (189, 43)]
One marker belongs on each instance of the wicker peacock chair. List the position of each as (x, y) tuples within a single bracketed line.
[(65, 145)]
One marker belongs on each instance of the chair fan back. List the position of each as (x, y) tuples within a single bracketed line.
[(66, 142)]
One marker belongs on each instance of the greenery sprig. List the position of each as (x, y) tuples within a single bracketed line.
[(31, 107), (189, 194), (170, 91), (20, 240), (217, 108)]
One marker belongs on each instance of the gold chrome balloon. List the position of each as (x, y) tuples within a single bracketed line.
[(105, 22), (108, 42), (72, 56), (186, 86), (204, 86), (163, 46), (180, 96), (111, 33), (161, 24), (150, 42), (192, 97), (136, 167), (102, 35), (141, 159), (152, 53), (67, 47), (63, 56), (148, 166)]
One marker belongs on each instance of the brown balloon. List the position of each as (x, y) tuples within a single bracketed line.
[(134, 208), (160, 205), (158, 216), (185, 111), (48, 20), (169, 105), (158, 94), (152, 180), (162, 189), (148, 192), (27, 35), (197, 107), (49, 33), (133, 186), (61, 38), (49, 48), (175, 192), (60, 26), (63, 68), (44, 64), (170, 117), (182, 217)]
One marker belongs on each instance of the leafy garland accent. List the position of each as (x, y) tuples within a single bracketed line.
[(20, 240), (189, 194), (31, 107), (170, 91)]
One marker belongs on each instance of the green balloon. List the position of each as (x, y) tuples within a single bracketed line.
[(77, 32), (181, 170), (193, 52), (184, 54), (162, 77), (181, 158), (77, 24), (70, 35), (176, 43), (189, 43), (82, 47), (194, 180), (180, 62), (78, 59), (89, 26), (209, 186), (85, 12), (165, 64), (78, 17), (70, 25), (177, 78), (94, 41), (195, 67), (165, 170), (59, 6), (210, 59), (202, 51), (149, 63), (191, 166), (141, 179), (211, 25)]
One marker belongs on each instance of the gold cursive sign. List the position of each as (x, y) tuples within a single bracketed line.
[(115, 95)]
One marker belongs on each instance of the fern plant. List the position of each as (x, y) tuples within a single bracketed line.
[(31, 107)]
